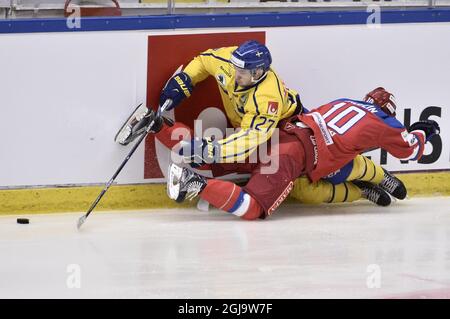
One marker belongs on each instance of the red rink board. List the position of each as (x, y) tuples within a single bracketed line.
[(165, 54)]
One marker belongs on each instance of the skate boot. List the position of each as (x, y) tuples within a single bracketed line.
[(373, 193), (182, 183), (393, 185), (137, 124)]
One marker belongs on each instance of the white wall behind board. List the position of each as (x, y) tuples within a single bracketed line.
[(62, 97)]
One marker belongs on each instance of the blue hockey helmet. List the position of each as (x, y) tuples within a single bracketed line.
[(251, 55)]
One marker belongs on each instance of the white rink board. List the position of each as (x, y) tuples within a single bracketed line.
[(64, 95), (410, 60)]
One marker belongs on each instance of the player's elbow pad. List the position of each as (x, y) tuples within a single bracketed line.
[(177, 89)]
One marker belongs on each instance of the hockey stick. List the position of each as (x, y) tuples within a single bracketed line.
[(83, 218)]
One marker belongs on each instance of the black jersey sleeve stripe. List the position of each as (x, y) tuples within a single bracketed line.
[(237, 137), (254, 100), (215, 56), (299, 107), (225, 91), (239, 154)]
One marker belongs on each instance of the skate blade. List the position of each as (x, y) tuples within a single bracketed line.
[(125, 131)]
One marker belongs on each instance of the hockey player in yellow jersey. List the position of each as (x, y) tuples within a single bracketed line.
[(253, 96)]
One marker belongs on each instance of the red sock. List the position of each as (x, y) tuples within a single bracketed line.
[(169, 141), (166, 138), (231, 198)]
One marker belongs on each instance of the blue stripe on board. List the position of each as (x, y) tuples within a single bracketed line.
[(280, 19)]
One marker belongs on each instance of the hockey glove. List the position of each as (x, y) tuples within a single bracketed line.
[(430, 128), (199, 151), (177, 89)]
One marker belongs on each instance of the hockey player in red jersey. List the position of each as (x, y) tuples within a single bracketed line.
[(344, 128), (360, 178), (314, 144)]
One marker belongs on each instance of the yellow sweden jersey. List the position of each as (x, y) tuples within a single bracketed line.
[(256, 109)]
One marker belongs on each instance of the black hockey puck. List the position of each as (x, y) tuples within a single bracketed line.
[(23, 221)]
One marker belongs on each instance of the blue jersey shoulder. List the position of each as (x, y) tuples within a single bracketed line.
[(388, 120)]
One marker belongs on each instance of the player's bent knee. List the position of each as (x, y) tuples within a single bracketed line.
[(254, 210), (170, 136)]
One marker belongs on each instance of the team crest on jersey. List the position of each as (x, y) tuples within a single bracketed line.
[(221, 79), (272, 108), (242, 101)]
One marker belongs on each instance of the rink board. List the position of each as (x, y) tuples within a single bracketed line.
[(64, 103), (131, 197)]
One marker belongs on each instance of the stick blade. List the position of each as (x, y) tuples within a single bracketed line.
[(81, 221)]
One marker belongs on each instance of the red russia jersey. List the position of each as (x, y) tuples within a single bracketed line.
[(345, 128)]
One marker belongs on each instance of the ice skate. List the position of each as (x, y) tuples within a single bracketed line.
[(373, 193), (393, 185), (137, 124), (182, 183)]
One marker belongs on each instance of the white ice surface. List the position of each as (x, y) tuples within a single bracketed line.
[(300, 252)]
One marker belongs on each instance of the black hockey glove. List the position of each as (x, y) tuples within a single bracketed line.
[(200, 151), (430, 128), (177, 89)]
